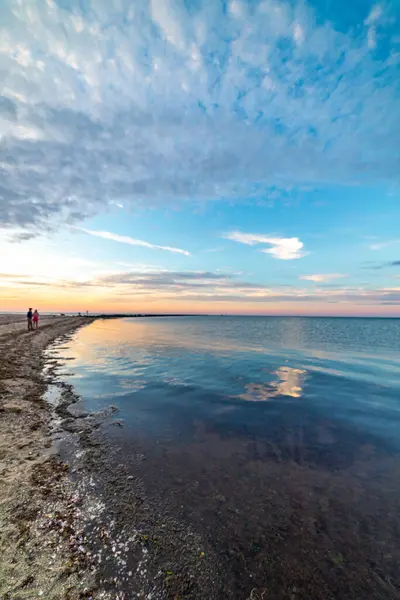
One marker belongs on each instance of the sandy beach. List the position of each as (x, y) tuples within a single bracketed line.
[(37, 549)]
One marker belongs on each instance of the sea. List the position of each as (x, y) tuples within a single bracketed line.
[(275, 440)]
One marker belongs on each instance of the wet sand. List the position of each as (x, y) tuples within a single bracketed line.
[(38, 540)]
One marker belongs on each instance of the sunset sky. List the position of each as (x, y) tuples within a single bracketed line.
[(200, 156)]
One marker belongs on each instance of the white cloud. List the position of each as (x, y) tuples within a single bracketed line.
[(165, 15), (235, 109), (374, 15), (126, 239), (247, 238), (298, 34), (282, 248), (285, 248), (373, 18), (323, 278)]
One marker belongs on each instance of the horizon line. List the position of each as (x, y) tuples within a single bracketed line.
[(179, 314)]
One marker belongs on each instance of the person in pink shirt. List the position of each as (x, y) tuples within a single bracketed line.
[(35, 319)]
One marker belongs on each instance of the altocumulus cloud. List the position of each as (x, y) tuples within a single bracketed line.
[(162, 101)]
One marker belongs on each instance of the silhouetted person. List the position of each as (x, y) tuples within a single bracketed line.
[(29, 316)]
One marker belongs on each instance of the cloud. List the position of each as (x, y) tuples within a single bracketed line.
[(323, 278), (211, 286), (203, 286), (162, 102), (22, 237), (140, 267), (381, 245), (12, 276), (282, 248), (178, 282), (125, 239), (379, 266), (371, 22), (33, 283), (211, 250), (167, 278), (285, 248)]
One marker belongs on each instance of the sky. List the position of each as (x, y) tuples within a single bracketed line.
[(200, 156)]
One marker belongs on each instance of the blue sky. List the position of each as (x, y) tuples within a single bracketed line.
[(201, 156)]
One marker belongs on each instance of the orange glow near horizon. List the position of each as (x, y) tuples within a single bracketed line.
[(12, 300), (48, 277)]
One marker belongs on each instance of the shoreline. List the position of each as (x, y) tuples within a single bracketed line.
[(58, 535), (39, 539)]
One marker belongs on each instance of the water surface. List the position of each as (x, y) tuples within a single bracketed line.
[(276, 439), (156, 370)]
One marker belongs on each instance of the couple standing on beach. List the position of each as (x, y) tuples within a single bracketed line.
[(33, 319)]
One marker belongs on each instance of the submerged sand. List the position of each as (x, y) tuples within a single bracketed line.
[(38, 541)]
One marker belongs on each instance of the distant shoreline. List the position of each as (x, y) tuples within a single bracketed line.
[(197, 315)]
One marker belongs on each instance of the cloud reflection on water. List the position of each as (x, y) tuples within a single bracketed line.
[(290, 383)]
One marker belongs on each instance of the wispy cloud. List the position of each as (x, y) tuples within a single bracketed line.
[(211, 250), (282, 248), (126, 239), (211, 286), (371, 23), (162, 279), (323, 278), (386, 244), (208, 287), (379, 266), (140, 267)]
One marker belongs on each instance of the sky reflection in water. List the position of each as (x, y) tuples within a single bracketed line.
[(166, 373)]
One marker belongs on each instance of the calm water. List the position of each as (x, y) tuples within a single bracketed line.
[(158, 371), (276, 440)]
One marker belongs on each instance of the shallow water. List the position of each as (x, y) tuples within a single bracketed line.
[(256, 429), (160, 370)]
